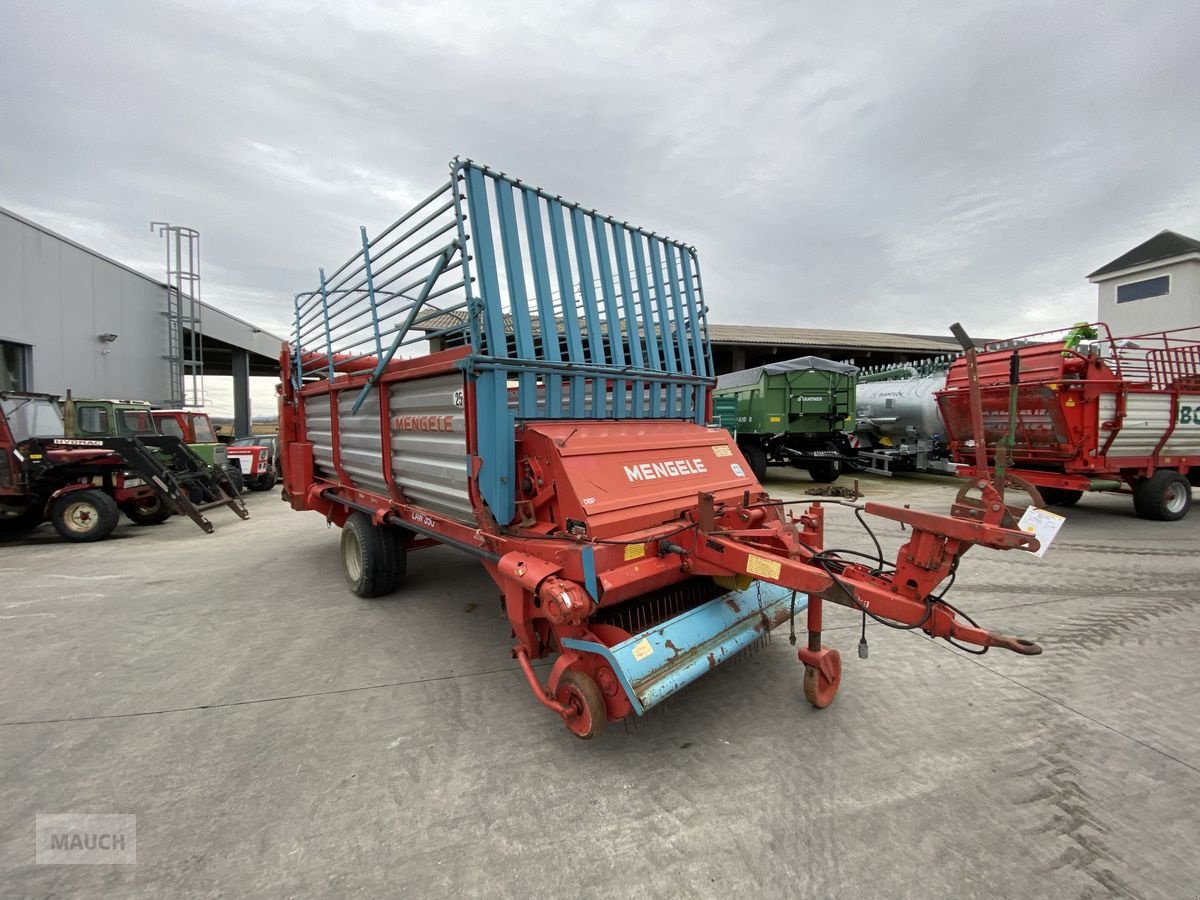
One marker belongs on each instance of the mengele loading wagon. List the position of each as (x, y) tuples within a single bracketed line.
[(558, 433)]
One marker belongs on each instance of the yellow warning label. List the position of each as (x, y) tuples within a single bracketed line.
[(642, 649), (776, 418), (765, 568), (634, 551), (722, 450)]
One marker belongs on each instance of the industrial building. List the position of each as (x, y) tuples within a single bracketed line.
[(73, 319), (1153, 287)]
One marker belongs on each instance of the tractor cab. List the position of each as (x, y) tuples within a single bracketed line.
[(107, 418), (195, 429)]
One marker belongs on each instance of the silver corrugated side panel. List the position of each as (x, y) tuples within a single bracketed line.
[(360, 442), (319, 433), (1186, 439), (429, 444), (1147, 418)]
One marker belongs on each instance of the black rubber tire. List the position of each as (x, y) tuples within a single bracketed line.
[(238, 479), (368, 557), (1060, 496), (1165, 496), (756, 458), (153, 511), (399, 538), (261, 483), (827, 471), (84, 516), (31, 518)]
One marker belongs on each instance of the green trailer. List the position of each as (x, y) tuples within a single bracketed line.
[(798, 412)]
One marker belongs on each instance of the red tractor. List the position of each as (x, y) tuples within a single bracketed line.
[(82, 484)]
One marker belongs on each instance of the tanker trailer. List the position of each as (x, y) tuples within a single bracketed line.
[(793, 413), (897, 422), (557, 432)]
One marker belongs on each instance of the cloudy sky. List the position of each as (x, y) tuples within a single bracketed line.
[(874, 165)]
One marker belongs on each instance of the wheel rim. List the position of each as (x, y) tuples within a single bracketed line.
[(1177, 497), (80, 517), (352, 555), (579, 719)]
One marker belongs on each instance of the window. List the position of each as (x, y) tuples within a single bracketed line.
[(203, 430), (135, 421), (169, 426), (14, 366), (1141, 290), (91, 420), (32, 417)]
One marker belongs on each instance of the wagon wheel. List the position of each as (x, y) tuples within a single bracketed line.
[(578, 692), (820, 690)]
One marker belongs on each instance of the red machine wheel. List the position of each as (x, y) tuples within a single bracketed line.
[(818, 689), (578, 691)]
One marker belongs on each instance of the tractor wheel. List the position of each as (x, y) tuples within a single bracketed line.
[(828, 470), (151, 511), (1060, 496), (368, 557), (756, 457), (819, 690), (235, 475), (588, 715), (87, 515), (23, 522), (263, 483), (1165, 496)]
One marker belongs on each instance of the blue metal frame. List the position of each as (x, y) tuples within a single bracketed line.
[(626, 336), (650, 665)]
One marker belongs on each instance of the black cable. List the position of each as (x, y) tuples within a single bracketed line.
[(871, 534)]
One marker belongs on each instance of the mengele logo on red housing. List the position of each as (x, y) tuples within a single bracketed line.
[(423, 423), (668, 469)]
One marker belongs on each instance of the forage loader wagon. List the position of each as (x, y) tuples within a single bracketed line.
[(558, 434), (1078, 410)]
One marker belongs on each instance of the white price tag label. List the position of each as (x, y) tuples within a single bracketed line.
[(1043, 525)]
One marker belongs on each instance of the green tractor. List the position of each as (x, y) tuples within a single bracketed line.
[(798, 412), (195, 429), (136, 418)]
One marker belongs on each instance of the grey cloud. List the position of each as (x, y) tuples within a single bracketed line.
[(880, 166)]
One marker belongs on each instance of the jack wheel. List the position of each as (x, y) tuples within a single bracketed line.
[(578, 691), (820, 690)]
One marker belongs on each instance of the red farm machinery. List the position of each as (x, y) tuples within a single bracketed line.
[(559, 433), (1078, 410), (83, 484)]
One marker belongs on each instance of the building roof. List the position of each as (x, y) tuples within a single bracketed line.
[(1164, 245), (217, 323), (829, 338)]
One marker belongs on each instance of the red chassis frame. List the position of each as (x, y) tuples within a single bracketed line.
[(553, 584)]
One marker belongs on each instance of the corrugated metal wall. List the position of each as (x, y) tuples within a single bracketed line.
[(431, 466), (57, 298)]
